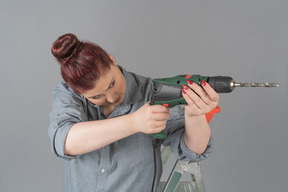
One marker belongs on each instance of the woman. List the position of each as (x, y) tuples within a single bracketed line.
[(101, 122)]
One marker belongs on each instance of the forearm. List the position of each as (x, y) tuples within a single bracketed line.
[(197, 133), (88, 136)]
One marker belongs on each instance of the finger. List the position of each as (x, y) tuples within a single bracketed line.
[(159, 109), (160, 116), (160, 124), (197, 100), (202, 92), (157, 124), (214, 96), (187, 98), (157, 130), (190, 103)]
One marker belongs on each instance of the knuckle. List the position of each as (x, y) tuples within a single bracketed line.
[(162, 128), (149, 109), (215, 97)]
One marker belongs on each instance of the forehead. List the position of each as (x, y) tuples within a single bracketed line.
[(102, 83)]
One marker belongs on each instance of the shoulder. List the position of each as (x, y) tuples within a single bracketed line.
[(138, 88), (142, 82), (62, 93)]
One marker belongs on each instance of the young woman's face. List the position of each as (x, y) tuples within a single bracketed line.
[(109, 89)]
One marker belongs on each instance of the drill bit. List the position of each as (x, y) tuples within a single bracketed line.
[(256, 85)]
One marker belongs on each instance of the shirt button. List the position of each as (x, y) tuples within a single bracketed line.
[(103, 170)]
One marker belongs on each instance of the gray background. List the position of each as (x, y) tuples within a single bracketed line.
[(246, 40)]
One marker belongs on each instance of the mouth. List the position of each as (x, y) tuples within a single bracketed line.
[(117, 100)]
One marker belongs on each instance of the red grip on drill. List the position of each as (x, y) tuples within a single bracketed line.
[(210, 114)]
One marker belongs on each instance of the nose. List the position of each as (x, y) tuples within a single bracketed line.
[(111, 98)]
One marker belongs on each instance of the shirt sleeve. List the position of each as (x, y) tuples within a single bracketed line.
[(67, 110), (175, 137)]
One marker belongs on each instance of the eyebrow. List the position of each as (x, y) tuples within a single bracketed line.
[(113, 79)]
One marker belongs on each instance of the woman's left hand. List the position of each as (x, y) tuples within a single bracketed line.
[(199, 100)]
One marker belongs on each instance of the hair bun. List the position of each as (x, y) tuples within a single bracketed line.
[(64, 47)]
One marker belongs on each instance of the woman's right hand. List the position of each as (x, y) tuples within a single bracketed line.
[(150, 119)]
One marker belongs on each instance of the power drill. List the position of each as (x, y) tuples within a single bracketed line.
[(167, 91)]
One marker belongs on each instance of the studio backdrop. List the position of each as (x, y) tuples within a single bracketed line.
[(246, 40)]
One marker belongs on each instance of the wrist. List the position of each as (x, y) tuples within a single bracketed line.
[(132, 122), (191, 114), (195, 118)]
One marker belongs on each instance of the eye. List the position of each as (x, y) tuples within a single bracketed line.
[(112, 84), (96, 97)]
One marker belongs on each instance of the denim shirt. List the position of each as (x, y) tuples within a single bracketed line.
[(125, 165)]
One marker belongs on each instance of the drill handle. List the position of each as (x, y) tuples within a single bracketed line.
[(168, 91)]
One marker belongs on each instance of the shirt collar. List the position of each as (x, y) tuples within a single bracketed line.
[(133, 92)]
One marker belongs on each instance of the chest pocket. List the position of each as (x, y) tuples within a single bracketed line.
[(136, 150)]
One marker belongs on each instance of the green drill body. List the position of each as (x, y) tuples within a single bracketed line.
[(167, 91)]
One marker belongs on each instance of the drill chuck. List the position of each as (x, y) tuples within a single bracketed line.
[(222, 84)]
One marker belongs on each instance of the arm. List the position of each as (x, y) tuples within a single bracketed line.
[(197, 133), (85, 137), (197, 130)]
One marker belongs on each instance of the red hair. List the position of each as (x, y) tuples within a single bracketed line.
[(81, 62)]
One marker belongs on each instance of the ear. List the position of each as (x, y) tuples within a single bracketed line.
[(113, 60)]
